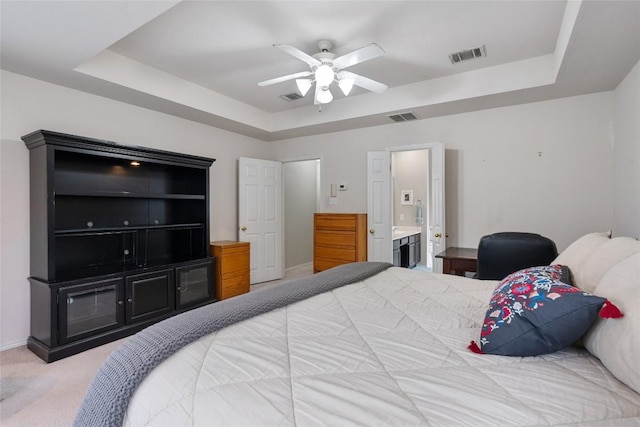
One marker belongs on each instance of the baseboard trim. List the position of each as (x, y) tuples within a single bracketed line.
[(14, 344), (295, 267)]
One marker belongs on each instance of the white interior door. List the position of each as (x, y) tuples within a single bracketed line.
[(379, 243), (437, 233), (260, 216)]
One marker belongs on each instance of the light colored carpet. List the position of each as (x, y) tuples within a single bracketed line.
[(38, 394), (35, 393)]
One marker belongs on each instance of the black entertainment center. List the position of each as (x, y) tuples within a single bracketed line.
[(119, 240)]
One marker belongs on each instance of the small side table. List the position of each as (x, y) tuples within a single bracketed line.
[(232, 268), (459, 260)]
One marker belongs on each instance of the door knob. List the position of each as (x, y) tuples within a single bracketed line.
[(243, 228), (372, 231), (438, 235)]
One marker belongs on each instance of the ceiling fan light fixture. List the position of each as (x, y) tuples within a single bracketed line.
[(304, 85), (324, 75), (345, 86), (324, 96)]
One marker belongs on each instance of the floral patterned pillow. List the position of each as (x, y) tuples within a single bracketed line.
[(533, 312)]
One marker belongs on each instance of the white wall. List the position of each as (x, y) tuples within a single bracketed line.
[(29, 105), (627, 156), (300, 202), (496, 180)]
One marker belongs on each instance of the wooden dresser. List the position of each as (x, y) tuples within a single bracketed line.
[(232, 268), (338, 239)]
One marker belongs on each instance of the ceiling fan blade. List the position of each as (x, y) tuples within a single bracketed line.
[(364, 82), (298, 54), (285, 78), (366, 53)]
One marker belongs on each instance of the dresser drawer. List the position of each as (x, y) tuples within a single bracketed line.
[(343, 254), (336, 238), (328, 222)]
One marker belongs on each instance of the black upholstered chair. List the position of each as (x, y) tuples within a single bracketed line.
[(501, 254)]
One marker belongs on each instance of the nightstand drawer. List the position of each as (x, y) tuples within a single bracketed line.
[(233, 286), (234, 263)]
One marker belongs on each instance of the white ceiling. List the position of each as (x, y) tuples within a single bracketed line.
[(202, 60)]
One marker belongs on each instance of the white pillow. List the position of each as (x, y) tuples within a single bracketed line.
[(616, 342), (593, 268), (579, 250)]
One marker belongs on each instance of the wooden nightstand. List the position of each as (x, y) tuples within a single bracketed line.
[(459, 260), (232, 268)]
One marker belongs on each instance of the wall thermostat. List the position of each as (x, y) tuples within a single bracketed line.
[(342, 187)]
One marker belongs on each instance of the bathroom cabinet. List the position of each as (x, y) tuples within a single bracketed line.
[(407, 251)]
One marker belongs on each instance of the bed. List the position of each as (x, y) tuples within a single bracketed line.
[(373, 344)]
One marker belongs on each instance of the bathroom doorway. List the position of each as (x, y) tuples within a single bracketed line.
[(410, 204), (301, 179), (379, 204)]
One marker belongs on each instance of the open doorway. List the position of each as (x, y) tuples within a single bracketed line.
[(379, 204), (410, 207), (301, 197)]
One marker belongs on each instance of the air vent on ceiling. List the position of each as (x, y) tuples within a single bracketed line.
[(403, 117), (291, 96), (465, 55)]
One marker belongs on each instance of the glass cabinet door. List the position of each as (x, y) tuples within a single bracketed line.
[(90, 308), (194, 284)]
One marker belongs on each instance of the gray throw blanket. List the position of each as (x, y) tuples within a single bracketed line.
[(107, 398)]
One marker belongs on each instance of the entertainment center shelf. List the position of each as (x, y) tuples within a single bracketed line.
[(119, 240), (125, 194)]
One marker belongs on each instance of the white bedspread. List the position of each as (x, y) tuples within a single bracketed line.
[(391, 350)]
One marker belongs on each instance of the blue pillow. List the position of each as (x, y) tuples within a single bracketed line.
[(533, 312)]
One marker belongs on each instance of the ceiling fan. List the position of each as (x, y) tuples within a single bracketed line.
[(325, 69)]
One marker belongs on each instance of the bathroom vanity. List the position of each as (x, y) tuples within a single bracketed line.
[(406, 246)]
